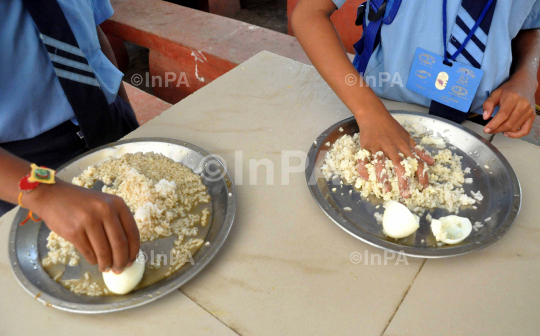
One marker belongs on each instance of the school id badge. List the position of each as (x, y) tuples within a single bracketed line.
[(453, 86)]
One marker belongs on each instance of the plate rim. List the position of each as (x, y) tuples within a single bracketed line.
[(415, 252), (100, 308)]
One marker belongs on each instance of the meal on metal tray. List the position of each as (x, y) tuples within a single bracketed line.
[(445, 189), (166, 198)]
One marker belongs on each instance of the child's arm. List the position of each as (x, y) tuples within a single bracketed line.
[(99, 225), (109, 53), (379, 131), (516, 97)]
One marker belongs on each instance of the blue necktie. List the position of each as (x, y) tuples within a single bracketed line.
[(473, 53)]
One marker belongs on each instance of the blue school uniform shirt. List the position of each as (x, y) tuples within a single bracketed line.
[(32, 100), (418, 23)]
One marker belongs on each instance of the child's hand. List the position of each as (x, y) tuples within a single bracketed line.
[(382, 132), (516, 113), (99, 225)]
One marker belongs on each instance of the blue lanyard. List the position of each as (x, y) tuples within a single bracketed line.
[(473, 30)]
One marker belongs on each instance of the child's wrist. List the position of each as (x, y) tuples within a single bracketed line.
[(525, 78), (39, 198), (369, 116)]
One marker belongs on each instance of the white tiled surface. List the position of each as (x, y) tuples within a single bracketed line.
[(20, 314), (285, 268), (495, 291)]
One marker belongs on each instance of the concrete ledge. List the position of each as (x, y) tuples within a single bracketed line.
[(203, 46)]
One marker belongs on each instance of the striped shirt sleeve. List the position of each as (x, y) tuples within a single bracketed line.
[(102, 10)]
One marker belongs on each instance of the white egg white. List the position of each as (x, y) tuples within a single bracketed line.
[(451, 229), (124, 282), (399, 221)]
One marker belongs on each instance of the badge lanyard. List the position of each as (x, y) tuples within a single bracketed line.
[(471, 33)]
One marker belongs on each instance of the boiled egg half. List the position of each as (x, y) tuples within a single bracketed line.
[(124, 282), (399, 221), (451, 229)]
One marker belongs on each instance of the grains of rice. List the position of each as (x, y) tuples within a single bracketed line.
[(437, 142), (204, 218), (86, 287), (446, 177), (378, 216), (60, 252), (476, 226), (161, 193), (58, 276), (477, 195), (181, 253), (417, 130)]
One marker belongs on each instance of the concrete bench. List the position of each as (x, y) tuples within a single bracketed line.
[(191, 43)]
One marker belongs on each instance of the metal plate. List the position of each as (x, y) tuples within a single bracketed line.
[(498, 184), (27, 244)]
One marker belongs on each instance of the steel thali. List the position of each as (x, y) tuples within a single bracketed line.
[(27, 244), (498, 184)]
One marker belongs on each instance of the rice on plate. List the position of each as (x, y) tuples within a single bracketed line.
[(446, 176), (166, 198)]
